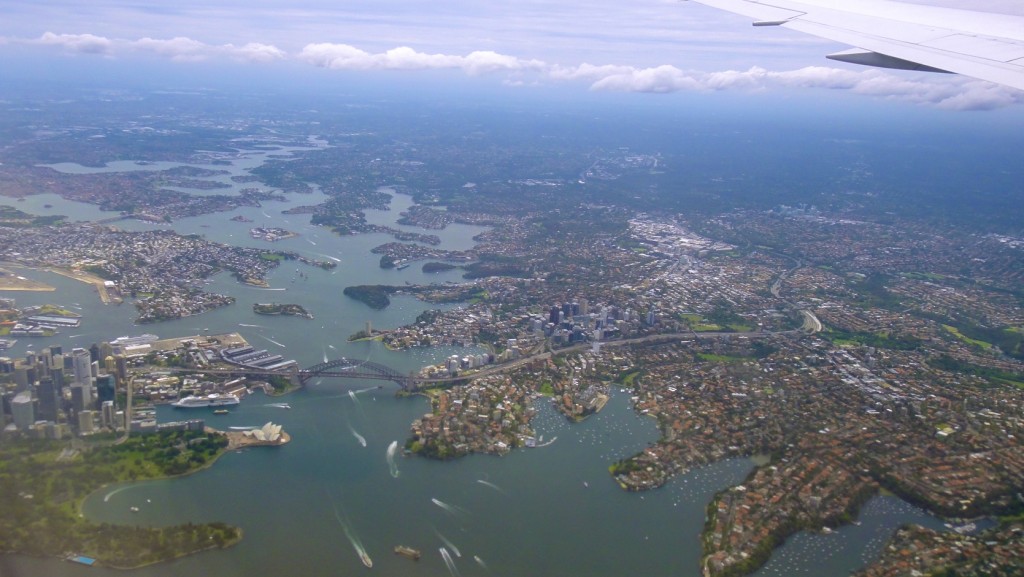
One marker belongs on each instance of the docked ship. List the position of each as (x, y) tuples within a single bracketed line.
[(211, 400), (127, 341)]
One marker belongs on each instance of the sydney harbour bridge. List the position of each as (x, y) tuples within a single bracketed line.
[(346, 368), (337, 368)]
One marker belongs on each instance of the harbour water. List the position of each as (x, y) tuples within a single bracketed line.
[(308, 507)]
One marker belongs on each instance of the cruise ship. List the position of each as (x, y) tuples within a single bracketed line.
[(211, 400)]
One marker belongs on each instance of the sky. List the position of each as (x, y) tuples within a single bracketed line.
[(641, 46)]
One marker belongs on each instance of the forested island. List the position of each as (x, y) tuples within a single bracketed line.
[(281, 309), (373, 296), (43, 484)]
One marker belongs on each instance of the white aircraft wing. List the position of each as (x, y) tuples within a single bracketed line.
[(891, 34)]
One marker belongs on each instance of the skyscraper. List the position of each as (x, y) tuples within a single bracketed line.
[(105, 390), (82, 366), (81, 396), (49, 399), (23, 410)]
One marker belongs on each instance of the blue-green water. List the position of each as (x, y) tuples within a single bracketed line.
[(551, 511)]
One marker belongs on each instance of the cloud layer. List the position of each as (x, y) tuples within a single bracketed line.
[(952, 92), (179, 49)]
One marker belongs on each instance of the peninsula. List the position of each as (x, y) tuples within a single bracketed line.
[(47, 481)]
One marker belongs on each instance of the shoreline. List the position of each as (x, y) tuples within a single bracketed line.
[(236, 440), (79, 276)]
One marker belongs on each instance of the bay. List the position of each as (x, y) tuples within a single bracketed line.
[(551, 511)]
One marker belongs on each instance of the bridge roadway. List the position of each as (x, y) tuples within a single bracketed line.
[(354, 369)]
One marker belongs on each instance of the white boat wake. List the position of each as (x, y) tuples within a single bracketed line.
[(392, 465), (449, 563), (480, 562), (448, 543), (251, 326), (491, 485), (244, 428), (278, 405), (114, 492), (273, 341), (454, 510), (360, 438), (553, 439), (352, 538)]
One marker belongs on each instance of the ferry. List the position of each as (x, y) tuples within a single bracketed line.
[(221, 412), (211, 400), (366, 559), (408, 552)]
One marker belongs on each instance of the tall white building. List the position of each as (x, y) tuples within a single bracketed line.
[(82, 366), (23, 411)]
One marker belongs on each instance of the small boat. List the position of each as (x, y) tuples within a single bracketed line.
[(221, 412), (366, 559), (408, 552), (133, 509)]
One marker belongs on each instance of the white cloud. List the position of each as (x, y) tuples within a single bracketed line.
[(346, 57), (179, 48), (954, 92), (945, 91), (587, 71), (83, 43), (256, 52), (660, 79)]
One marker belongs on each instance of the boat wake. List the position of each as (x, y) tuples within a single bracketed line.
[(392, 465), (273, 341), (273, 289), (335, 259), (448, 543), (553, 439), (114, 492), (278, 405), (244, 428), (491, 485), (251, 326), (350, 535), (449, 563), (454, 510), (481, 563), (360, 438)]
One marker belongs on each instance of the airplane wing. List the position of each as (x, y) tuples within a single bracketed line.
[(890, 34)]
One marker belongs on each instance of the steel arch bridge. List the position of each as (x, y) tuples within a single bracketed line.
[(354, 369)]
